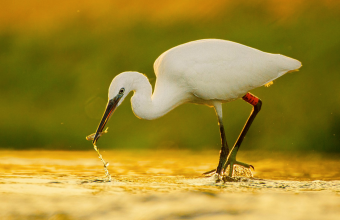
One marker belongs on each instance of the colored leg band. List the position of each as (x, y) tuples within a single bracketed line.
[(251, 99)]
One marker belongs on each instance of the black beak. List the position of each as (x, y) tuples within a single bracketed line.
[(110, 108)]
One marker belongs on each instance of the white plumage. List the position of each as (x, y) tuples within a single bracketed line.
[(209, 72), (206, 72)]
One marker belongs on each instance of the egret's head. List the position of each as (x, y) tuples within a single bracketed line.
[(120, 87)]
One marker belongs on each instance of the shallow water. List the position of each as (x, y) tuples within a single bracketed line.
[(166, 185)]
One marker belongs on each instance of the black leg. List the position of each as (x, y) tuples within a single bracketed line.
[(224, 152), (224, 149), (256, 103)]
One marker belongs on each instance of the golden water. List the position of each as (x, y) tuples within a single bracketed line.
[(166, 185)]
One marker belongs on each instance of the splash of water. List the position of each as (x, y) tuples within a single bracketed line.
[(240, 174), (240, 171), (106, 164)]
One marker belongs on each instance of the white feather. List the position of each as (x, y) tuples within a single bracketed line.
[(206, 72)]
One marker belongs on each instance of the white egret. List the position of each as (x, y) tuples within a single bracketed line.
[(208, 72)]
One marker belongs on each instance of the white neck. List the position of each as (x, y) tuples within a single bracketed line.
[(150, 106)]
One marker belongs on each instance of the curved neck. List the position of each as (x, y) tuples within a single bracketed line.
[(150, 106)]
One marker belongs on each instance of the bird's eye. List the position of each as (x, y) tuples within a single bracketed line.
[(121, 91)]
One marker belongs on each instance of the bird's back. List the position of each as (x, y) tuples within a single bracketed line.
[(214, 69)]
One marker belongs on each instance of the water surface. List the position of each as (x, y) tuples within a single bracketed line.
[(163, 184)]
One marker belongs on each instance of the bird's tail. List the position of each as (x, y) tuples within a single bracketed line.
[(288, 64), (285, 65)]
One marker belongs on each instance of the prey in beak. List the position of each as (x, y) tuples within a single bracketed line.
[(91, 136), (110, 108)]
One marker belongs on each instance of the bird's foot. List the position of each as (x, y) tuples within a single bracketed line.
[(219, 170), (212, 174), (231, 169), (240, 173), (209, 173)]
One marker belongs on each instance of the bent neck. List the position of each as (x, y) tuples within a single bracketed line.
[(150, 106)]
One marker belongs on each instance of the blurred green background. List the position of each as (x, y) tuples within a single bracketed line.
[(57, 60)]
